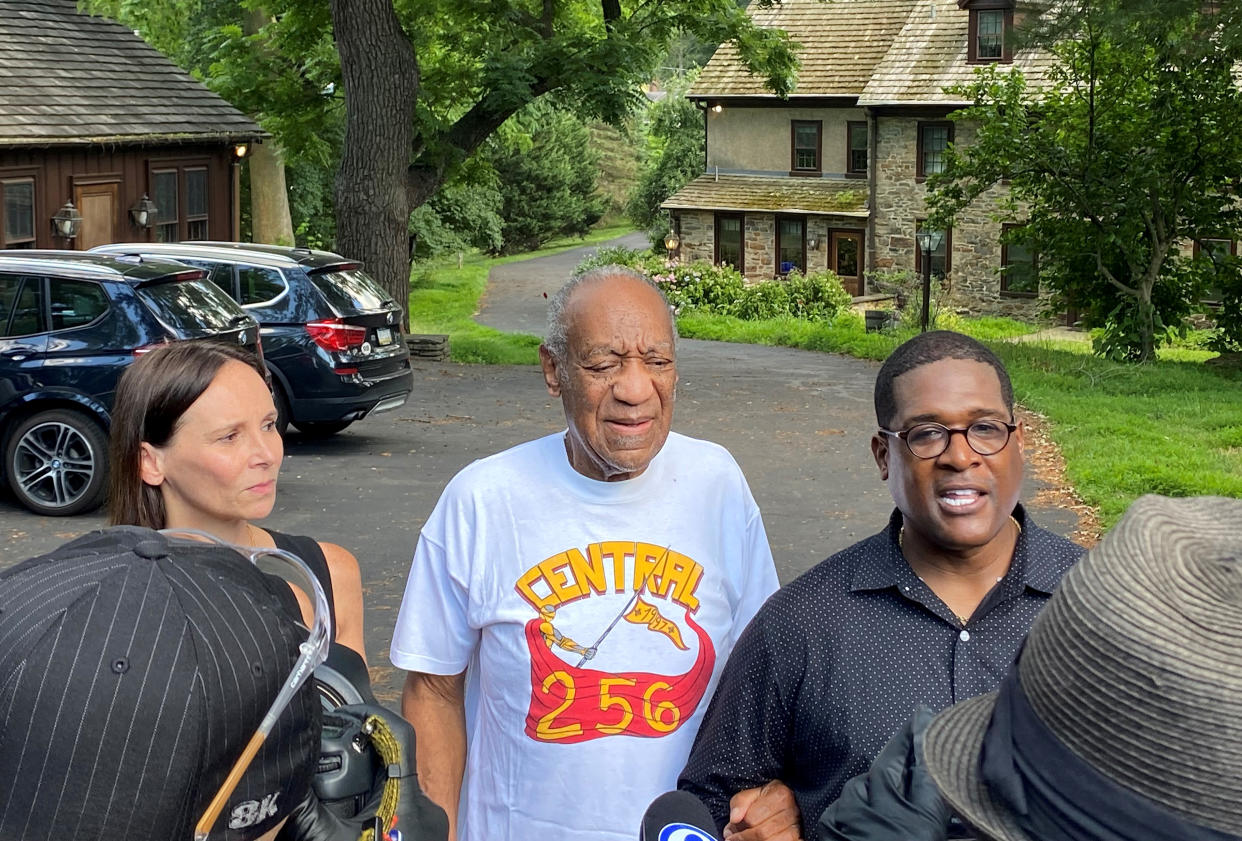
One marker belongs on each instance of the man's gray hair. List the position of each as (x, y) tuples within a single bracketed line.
[(557, 337)]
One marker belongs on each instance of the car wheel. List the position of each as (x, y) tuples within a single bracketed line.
[(56, 463), (320, 429), (282, 408)]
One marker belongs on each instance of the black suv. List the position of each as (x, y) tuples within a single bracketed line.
[(69, 324), (331, 336)]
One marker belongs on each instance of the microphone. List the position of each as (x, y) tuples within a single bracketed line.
[(677, 816)]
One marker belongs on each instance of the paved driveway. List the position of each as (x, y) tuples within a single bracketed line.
[(798, 422)]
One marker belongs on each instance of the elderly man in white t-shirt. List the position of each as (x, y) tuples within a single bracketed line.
[(572, 600)]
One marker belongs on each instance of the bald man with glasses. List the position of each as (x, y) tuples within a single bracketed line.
[(930, 611)]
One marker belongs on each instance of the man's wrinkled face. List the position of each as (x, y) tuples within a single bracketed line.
[(618, 380), (958, 501)]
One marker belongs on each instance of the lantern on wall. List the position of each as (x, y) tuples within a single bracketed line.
[(144, 212), (67, 221)]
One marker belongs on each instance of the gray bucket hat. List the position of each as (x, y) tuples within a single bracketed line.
[(1135, 667)]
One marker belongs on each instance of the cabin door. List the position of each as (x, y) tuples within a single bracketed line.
[(97, 204)]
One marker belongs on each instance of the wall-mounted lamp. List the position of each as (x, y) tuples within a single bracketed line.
[(67, 221), (717, 108), (144, 212), (812, 242), (241, 150), (671, 243)]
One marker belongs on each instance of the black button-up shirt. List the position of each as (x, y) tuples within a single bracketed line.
[(835, 663)]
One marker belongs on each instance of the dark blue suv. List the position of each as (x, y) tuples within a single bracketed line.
[(69, 324), (331, 336)]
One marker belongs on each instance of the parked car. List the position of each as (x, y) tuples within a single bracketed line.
[(331, 336), (69, 324)]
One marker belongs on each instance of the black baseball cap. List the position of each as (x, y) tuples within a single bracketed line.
[(134, 669)]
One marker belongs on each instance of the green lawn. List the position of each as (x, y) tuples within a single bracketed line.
[(1172, 427), (444, 299)]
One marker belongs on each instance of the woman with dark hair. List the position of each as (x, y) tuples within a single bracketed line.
[(195, 446)]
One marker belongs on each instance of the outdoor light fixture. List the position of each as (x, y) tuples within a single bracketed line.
[(812, 243), (241, 150), (144, 212), (671, 243), (67, 221), (717, 108), (929, 242)]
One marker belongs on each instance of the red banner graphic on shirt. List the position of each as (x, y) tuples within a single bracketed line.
[(570, 704)]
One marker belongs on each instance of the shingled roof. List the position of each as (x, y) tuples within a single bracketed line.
[(841, 43), (71, 78), (779, 195), (881, 51)]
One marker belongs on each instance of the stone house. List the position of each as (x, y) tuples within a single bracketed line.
[(833, 177), (97, 125)]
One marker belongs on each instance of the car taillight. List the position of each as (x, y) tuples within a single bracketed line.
[(335, 335)]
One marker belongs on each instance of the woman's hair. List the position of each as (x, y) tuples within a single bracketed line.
[(151, 397)]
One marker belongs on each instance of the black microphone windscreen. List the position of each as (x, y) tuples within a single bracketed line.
[(677, 816)]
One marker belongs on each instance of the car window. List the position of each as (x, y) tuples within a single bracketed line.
[(22, 298), (351, 290), (191, 307), (76, 302), (259, 285), (221, 274)]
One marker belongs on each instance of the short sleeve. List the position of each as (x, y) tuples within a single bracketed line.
[(433, 633)]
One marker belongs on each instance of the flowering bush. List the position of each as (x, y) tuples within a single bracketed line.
[(721, 290)]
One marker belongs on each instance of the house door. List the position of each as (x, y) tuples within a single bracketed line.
[(845, 257), (97, 204)]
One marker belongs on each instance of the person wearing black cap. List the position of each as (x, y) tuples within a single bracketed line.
[(1122, 719), (134, 670), (930, 611)]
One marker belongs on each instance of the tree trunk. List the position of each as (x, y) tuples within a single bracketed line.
[(270, 220), (381, 86)]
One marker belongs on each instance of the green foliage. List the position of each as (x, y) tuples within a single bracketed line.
[(1130, 149), (546, 174), (673, 156), (721, 290), (463, 215)]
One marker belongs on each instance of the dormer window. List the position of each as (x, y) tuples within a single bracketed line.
[(990, 32)]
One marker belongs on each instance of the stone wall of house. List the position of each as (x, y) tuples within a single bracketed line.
[(698, 231), (760, 256), (975, 257), (698, 235)]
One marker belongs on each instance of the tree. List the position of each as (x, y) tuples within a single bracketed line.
[(1129, 150), (547, 178), (673, 157), (427, 82)]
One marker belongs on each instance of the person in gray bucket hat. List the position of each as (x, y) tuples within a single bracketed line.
[(1122, 719)]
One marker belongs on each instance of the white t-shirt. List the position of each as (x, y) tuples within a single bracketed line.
[(524, 566)]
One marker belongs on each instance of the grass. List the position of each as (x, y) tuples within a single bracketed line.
[(444, 299), (1171, 427)]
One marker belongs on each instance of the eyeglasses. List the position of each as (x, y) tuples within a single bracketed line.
[(928, 440), (314, 651)]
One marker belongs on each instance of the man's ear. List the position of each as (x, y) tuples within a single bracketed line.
[(150, 464), (1019, 435), (879, 451), (548, 363)]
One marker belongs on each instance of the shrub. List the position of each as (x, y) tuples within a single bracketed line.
[(721, 290), (818, 296)]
